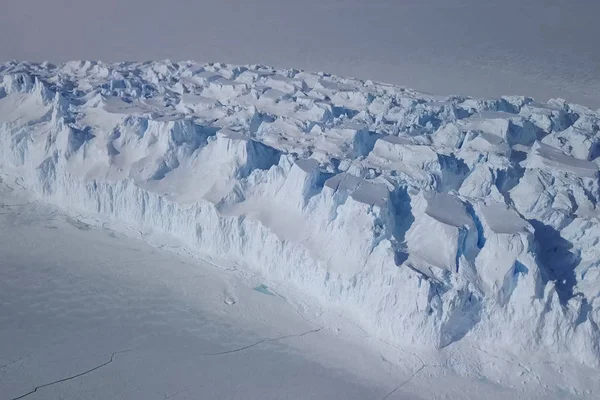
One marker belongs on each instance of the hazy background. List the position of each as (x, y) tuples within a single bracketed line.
[(543, 48)]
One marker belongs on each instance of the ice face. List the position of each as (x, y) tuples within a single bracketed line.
[(425, 219)]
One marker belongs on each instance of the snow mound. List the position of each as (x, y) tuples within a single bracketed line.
[(426, 220)]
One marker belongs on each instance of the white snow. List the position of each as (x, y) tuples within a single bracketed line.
[(540, 48), (551, 158), (89, 312), (426, 220)]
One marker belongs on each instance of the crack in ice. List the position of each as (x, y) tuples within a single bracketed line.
[(15, 361), (71, 377), (260, 342)]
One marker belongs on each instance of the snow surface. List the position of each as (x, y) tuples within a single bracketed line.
[(539, 48), (89, 312), (426, 220), (92, 314)]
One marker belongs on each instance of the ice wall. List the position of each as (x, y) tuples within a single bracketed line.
[(426, 220)]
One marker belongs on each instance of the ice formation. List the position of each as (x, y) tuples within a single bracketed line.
[(426, 220)]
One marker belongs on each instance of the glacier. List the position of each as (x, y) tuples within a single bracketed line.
[(426, 220)]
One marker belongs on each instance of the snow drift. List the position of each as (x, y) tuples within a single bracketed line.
[(425, 219)]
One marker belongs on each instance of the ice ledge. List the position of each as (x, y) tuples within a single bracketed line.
[(426, 220)]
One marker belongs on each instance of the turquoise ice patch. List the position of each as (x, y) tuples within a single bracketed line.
[(264, 290)]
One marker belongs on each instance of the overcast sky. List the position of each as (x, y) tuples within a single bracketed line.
[(542, 48)]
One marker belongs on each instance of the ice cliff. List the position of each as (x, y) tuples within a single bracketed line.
[(427, 220)]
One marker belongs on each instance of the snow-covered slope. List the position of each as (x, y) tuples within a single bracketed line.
[(426, 220)]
